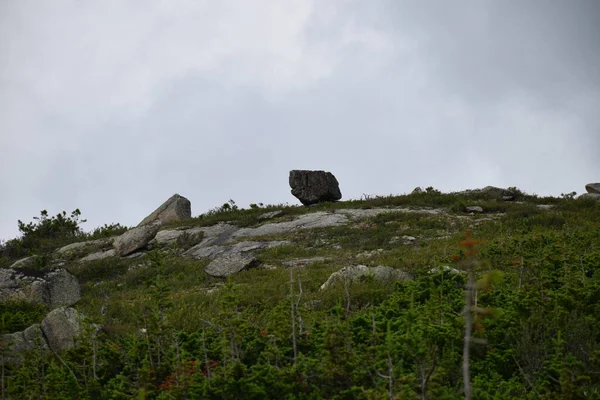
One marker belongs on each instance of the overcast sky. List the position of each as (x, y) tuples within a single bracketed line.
[(113, 106)]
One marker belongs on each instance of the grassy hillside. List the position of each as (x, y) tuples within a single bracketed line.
[(170, 331)]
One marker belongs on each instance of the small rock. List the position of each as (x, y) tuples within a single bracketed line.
[(175, 208), (139, 254), (303, 261), (311, 187), (369, 254), (445, 268), (544, 206), (409, 239), (474, 209), (355, 272), (270, 215)]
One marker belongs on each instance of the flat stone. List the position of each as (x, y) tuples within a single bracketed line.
[(135, 239), (230, 263), (544, 206), (101, 255), (73, 247), (307, 221), (474, 209), (356, 272), (270, 215), (303, 261), (24, 262)]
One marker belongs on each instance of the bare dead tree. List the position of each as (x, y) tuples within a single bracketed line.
[(293, 315)]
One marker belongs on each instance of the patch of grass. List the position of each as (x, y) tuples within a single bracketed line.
[(15, 316)]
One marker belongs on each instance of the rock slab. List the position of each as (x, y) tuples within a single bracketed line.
[(61, 328), (175, 208), (593, 188), (312, 187), (135, 239), (53, 289), (355, 272)]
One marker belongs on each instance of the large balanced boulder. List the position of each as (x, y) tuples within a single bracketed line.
[(593, 188), (174, 209), (311, 187), (53, 289), (135, 239)]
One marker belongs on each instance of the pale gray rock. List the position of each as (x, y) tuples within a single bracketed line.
[(544, 207), (593, 188), (370, 254), (230, 263), (16, 344), (592, 196), (61, 328), (241, 247), (311, 187), (445, 268), (53, 289), (297, 262), (170, 236), (135, 239), (474, 209), (101, 255), (307, 221), (175, 208), (24, 262), (270, 215), (81, 246), (356, 272)]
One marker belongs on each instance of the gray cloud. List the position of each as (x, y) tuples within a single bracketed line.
[(112, 107)]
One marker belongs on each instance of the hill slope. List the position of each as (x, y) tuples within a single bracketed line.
[(173, 327)]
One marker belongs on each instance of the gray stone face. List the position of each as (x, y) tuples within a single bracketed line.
[(24, 262), (53, 289), (593, 196), (63, 288), (174, 209), (61, 328), (311, 187), (593, 188), (306, 221), (474, 209), (230, 263), (270, 215), (101, 255), (355, 272), (76, 247), (135, 239), (16, 344)]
